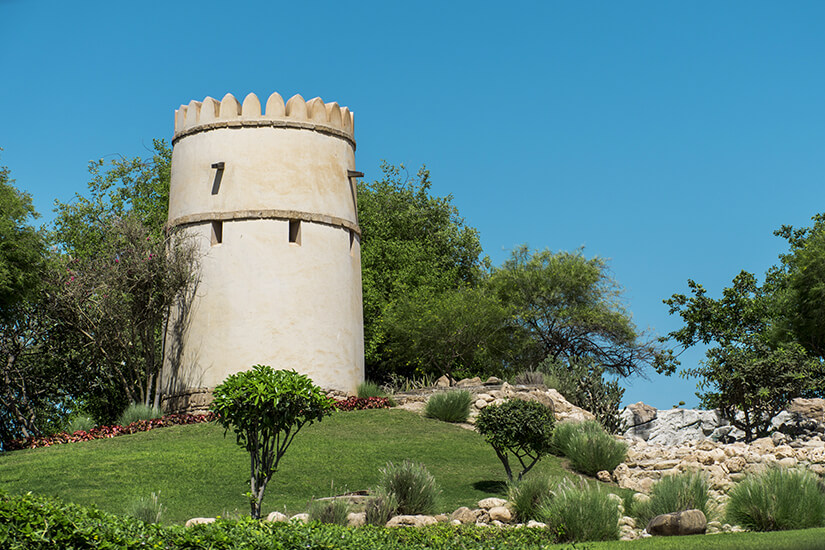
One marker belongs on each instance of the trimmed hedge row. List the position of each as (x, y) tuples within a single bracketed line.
[(33, 522), (105, 432)]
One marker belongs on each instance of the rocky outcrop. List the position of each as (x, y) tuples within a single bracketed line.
[(689, 522), (677, 426)]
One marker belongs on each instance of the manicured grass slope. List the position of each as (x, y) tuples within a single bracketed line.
[(200, 473)]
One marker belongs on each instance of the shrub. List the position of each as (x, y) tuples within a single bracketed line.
[(450, 406), (675, 493), (523, 428), (581, 513), (267, 408), (413, 487), (582, 383), (528, 495), (591, 449), (333, 511), (381, 507), (369, 389), (80, 423), (363, 403), (777, 500), (137, 412), (148, 509), (564, 431)]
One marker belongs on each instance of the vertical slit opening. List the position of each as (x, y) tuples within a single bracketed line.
[(217, 233), (351, 242), (295, 231)]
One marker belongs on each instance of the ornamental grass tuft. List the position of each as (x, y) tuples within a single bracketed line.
[(413, 487), (450, 406), (381, 507), (675, 493), (777, 499), (581, 513), (528, 495), (334, 511), (138, 411), (147, 509), (589, 448), (80, 423)]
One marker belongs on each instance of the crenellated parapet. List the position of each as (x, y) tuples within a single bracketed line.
[(313, 115)]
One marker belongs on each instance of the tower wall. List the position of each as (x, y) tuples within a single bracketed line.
[(270, 203)]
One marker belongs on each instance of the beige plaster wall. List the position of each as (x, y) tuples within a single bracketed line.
[(262, 299)]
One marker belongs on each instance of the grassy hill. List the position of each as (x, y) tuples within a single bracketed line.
[(200, 473)]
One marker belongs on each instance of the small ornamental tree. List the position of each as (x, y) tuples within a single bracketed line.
[(266, 408), (523, 428)]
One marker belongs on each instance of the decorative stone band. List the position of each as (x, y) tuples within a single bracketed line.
[(263, 123), (311, 217)]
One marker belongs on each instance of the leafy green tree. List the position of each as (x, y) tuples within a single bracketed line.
[(521, 428), (748, 373), (22, 247), (573, 311), (445, 331), (135, 186), (411, 242), (266, 409)]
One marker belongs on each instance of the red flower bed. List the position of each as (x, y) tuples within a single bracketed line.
[(104, 432), (362, 403)]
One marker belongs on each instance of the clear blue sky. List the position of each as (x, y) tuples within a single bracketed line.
[(669, 137)]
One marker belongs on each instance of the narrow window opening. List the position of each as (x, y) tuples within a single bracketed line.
[(351, 242), (295, 232), (217, 233)]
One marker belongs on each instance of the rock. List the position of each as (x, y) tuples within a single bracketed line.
[(493, 381), (808, 408), (411, 521), (480, 404), (491, 502), (500, 513), (689, 522), (303, 518), (627, 521), (465, 515), (356, 519), (779, 438), (735, 464), (638, 498), (275, 517), (565, 410), (638, 418), (441, 518), (762, 445), (604, 476), (199, 521), (469, 382), (533, 524), (443, 382)]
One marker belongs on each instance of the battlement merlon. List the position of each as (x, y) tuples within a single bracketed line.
[(314, 115)]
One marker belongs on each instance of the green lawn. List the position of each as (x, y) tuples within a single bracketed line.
[(200, 473)]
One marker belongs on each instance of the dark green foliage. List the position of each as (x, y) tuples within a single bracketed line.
[(581, 513), (449, 406), (381, 507), (685, 491), (333, 511), (528, 495), (138, 411), (266, 409), (447, 331), (521, 428), (589, 448), (748, 370), (582, 383), (573, 310), (412, 486), (776, 500), (411, 242)]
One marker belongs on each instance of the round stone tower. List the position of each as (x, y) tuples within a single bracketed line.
[(269, 197)]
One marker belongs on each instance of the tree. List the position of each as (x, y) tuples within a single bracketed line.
[(572, 310), (117, 300), (411, 242), (523, 428), (266, 409), (445, 331), (749, 374)]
